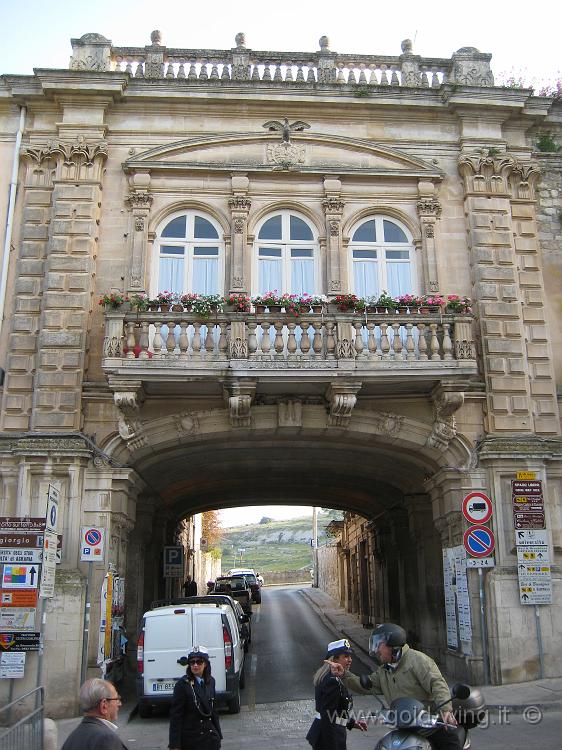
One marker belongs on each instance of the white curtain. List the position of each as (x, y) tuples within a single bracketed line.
[(270, 275), (205, 276), (171, 275), (366, 279), (302, 276), (398, 277)]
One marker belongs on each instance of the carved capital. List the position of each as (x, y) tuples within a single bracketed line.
[(239, 203), (486, 171), (239, 396), (139, 199), (429, 207), (333, 205), (74, 161), (342, 398)]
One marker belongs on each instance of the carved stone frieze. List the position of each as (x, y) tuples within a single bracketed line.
[(237, 282), (239, 226), (187, 423), (238, 348), (334, 228), (345, 349), (139, 223), (388, 423), (75, 161), (429, 231), (342, 398), (335, 284)]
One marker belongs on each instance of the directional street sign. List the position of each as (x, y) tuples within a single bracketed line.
[(531, 537), (13, 523), (47, 583), (18, 555), (19, 539), (479, 541), (529, 520), (535, 592), (20, 576), (477, 507), (18, 597), (51, 518)]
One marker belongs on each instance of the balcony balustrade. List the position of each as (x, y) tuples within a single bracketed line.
[(158, 343)]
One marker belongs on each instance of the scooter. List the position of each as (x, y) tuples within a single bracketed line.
[(413, 725)]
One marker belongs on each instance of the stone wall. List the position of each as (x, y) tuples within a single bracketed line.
[(328, 571)]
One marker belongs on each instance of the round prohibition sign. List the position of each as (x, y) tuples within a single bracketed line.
[(479, 541), (477, 507), (92, 537)]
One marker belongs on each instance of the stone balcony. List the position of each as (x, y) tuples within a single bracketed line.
[(275, 354)]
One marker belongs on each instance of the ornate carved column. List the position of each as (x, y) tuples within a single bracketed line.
[(333, 209), (429, 210), (138, 202), (239, 205)]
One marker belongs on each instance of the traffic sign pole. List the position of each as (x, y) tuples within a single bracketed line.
[(86, 628), (484, 626)]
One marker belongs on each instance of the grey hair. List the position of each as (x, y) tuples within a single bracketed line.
[(92, 692)]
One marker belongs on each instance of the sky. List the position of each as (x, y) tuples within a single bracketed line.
[(523, 38), (240, 516)]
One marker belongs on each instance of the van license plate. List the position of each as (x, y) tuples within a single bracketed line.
[(163, 687)]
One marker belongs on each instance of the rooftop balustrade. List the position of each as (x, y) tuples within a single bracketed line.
[(242, 65)]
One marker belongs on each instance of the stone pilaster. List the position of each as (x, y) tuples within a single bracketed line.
[(139, 202), (239, 205), (496, 290), (67, 285), (429, 210), (22, 359), (333, 209)]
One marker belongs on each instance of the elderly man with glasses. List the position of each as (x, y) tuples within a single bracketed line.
[(99, 702)]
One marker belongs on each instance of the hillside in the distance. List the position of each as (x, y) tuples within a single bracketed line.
[(274, 545)]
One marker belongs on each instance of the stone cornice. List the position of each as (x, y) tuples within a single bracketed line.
[(63, 444), (493, 448)]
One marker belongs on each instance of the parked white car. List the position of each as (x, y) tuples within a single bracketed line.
[(168, 634)]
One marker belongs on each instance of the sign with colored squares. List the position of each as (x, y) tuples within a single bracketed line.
[(20, 576)]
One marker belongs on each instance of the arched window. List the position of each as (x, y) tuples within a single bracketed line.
[(286, 254), (190, 254), (382, 257)]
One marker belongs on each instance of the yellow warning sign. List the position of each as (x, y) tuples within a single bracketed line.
[(526, 475)]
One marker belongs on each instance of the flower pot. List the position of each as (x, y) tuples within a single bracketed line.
[(260, 309), (317, 309), (177, 308), (164, 308), (402, 310), (423, 310), (274, 308), (153, 306)]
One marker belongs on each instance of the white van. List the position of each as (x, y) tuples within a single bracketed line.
[(168, 634)]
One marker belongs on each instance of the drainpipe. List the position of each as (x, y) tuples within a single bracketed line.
[(10, 217)]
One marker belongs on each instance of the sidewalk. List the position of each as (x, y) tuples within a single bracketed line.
[(544, 694)]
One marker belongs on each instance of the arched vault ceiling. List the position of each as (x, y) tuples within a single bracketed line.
[(340, 472)]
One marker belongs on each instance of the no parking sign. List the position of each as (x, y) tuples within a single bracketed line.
[(479, 541), (92, 541)]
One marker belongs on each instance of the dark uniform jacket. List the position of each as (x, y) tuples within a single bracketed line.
[(194, 723), (93, 734), (333, 701)]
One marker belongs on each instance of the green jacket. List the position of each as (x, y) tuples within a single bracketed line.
[(416, 676)]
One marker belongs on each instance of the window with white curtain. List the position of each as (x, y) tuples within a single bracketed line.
[(382, 258), (286, 255), (190, 254)]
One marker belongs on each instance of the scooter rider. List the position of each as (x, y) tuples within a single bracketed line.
[(405, 673)]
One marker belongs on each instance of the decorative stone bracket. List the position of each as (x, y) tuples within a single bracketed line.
[(342, 397), (447, 399), (239, 396), (128, 397)]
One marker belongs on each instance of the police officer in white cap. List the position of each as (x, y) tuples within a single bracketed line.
[(333, 702)]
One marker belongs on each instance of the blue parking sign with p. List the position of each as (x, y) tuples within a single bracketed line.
[(173, 562)]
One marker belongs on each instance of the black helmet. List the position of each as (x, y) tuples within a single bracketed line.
[(470, 711), (389, 633)]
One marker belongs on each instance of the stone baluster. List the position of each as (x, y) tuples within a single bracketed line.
[(371, 341), (252, 339), (279, 344), (131, 341), (330, 340), (305, 340), (317, 339), (410, 343), (278, 76), (196, 342), (171, 338), (265, 340), (144, 340), (434, 342), (447, 343), (385, 344), (291, 341), (157, 340), (358, 343), (223, 340), (422, 343), (209, 341), (397, 341), (183, 341)]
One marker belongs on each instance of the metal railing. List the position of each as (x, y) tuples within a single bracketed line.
[(21, 722)]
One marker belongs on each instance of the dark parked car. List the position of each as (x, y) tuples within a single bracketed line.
[(238, 588), (252, 579)]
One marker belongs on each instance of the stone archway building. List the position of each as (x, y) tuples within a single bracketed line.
[(219, 170)]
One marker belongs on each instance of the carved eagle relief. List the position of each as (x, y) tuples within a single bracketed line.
[(285, 129)]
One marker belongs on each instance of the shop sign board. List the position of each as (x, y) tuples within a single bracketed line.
[(13, 641), (20, 539), (14, 523)]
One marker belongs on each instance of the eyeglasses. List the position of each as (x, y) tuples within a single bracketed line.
[(118, 698), (196, 661)]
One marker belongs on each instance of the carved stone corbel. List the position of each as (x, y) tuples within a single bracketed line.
[(342, 397), (239, 397), (447, 399), (128, 397)]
